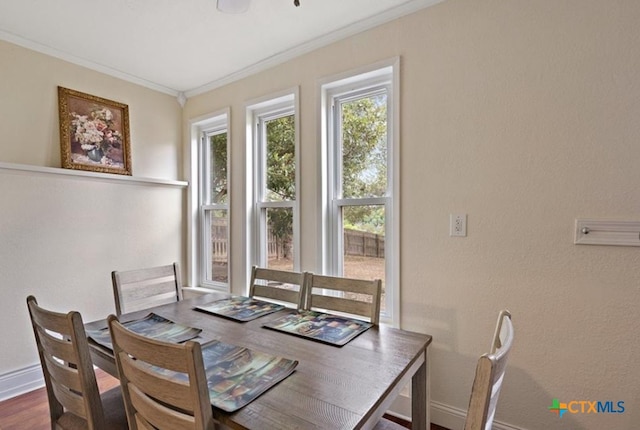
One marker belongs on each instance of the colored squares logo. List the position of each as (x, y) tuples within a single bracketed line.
[(558, 408)]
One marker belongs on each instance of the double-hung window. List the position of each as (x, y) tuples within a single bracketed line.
[(214, 204), (274, 242), (361, 222)]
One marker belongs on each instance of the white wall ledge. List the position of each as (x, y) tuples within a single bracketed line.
[(106, 177)]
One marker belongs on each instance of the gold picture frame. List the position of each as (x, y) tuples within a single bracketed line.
[(94, 133)]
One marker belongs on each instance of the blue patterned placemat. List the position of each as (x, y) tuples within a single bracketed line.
[(323, 327), (153, 326), (240, 308)]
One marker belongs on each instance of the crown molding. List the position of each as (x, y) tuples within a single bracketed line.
[(52, 52), (320, 42)]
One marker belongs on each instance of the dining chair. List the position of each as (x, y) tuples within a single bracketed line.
[(152, 399), (487, 383), (278, 285), (72, 391), (144, 288), (489, 376), (358, 297)]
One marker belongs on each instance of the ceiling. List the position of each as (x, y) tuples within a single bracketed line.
[(186, 47)]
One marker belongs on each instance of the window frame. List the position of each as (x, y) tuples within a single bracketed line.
[(199, 247), (344, 87), (259, 112)]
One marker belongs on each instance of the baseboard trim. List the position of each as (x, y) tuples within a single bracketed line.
[(447, 416), (441, 414), (453, 418), (20, 381)]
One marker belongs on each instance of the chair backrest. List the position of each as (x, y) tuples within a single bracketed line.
[(358, 297), (489, 376), (278, 285), (144, 288), (151, 398), (66, 364)]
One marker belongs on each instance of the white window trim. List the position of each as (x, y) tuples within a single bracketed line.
[(277, 103), (343, 83), (196, 270)]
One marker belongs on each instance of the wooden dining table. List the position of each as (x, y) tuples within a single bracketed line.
[(346, 387)]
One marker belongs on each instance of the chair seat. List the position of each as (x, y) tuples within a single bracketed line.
[(114, 414)]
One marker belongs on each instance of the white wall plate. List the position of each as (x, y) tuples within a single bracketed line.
[(607, 232)]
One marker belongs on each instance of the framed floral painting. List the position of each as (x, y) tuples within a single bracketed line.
[(94, 133)]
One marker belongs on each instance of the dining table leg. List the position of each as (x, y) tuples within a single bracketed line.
[(419, 397)]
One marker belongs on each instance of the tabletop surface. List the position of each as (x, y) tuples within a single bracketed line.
[(332, 387)]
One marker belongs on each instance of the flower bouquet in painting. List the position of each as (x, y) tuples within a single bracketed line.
[(99, 140)]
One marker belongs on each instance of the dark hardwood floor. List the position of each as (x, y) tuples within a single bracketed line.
[(30, 411), (407, 424)]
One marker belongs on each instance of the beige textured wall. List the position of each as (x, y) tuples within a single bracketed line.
[(523, 114), (29, 113), (61, 236)]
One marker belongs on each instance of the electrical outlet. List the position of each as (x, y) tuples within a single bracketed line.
[(458, 225)]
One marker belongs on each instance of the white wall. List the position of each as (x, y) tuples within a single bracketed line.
[(62, 234), (525, 116)]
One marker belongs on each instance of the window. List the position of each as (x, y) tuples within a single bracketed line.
[(275, 237), (213, 216), (361, 191)]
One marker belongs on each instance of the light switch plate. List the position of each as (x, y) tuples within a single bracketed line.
[(458, 225)]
